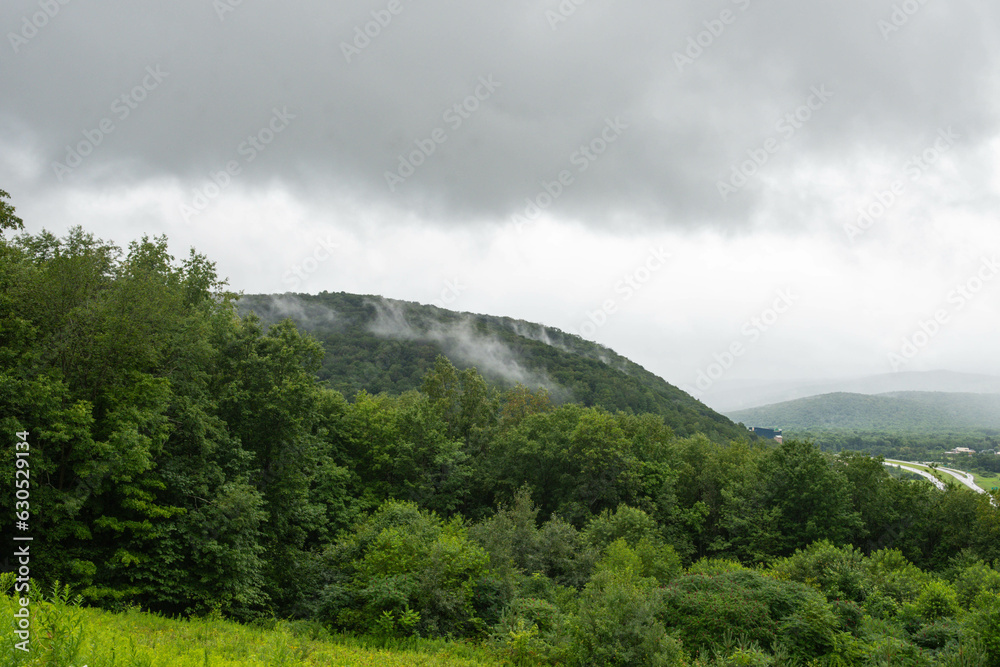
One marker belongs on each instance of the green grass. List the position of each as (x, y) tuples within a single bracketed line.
[(74, 636), (987, 481)]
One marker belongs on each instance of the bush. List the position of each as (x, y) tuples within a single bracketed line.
[(636, 530), (881, 606), (515, 544), (658, 562), (627, 523), (407, 571), (972, 580), (745, 603), (895, 652), (753, 657), (713, 566), (849, 615), (984, 625), (809, 631), (938, 634), (835, 570), (891, 573), (532, 631), (617, 623), (937, 600), (564, 554)]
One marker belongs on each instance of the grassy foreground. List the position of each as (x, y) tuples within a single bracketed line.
[(68, 636)]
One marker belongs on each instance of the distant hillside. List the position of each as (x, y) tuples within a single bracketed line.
[(729, 396), (385, 345), (901, 412)]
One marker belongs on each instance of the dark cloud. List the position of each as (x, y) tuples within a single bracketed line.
[(557, 85)]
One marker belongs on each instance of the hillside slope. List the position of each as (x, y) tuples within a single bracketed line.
[(385, 345), (732, 395), (903, 412)]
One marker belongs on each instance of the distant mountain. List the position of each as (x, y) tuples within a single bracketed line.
[(902, 412), (384, 345), (736, 395)]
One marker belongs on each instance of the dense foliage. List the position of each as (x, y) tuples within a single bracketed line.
[(189, 460), (385, 345)]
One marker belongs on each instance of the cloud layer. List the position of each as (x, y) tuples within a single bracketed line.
[(536, 150)]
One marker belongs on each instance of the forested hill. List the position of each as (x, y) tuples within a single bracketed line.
[(386, 345), (901, 412)]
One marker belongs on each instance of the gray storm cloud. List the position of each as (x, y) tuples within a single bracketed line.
[(481, 111)]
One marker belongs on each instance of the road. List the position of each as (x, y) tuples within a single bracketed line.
[(963, 477), (902, 464)]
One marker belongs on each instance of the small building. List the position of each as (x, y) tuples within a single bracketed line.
[(766, 433), (961, 450)]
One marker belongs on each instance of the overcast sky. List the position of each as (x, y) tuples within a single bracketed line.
[(717, 190)]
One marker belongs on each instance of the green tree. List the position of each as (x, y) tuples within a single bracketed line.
[(788, 498), (7, 218), (400, 448)]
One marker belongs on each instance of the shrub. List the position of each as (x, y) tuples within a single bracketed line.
[(937, 600), (881, 606), (517, 546), (532, 631), (627, 523), (849, 615), (809, 631), (744, 602), (896, 652), (984, 625), (972, 580), (658, 562), (564, 554), (752, 657), (713, 566), (891, 573), (835, 570), (406, 571), (617, 623), (938, 634)]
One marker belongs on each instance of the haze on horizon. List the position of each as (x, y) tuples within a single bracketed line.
[(732, 190)]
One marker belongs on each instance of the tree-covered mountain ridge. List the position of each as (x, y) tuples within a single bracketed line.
[(904, 412), (379, 344)]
